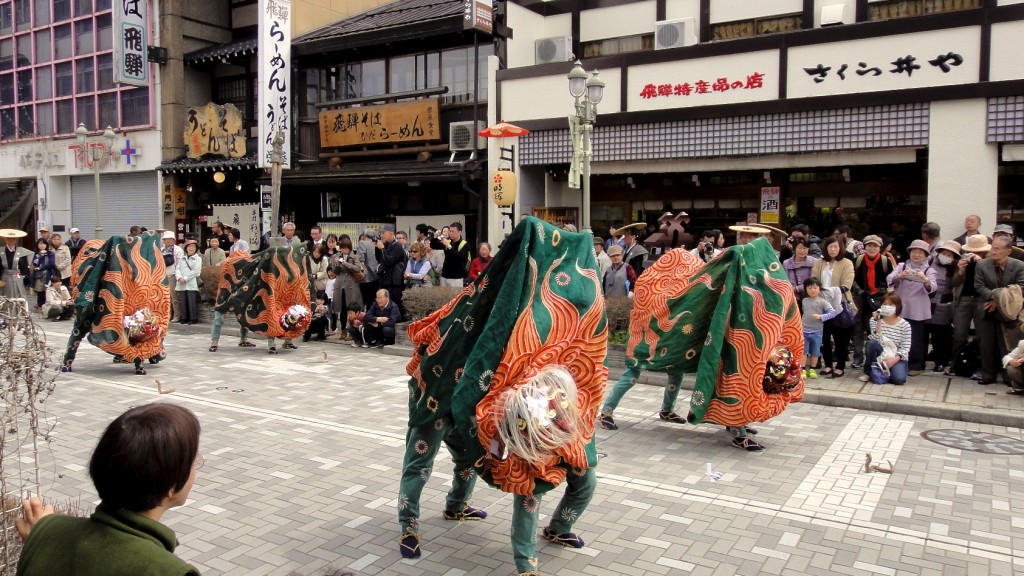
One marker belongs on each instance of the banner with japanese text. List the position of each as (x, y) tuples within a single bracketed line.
[(131, 18), (273, 115), (769, 205), (245, 217)]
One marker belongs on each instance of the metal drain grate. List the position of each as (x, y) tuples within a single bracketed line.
[(975, 441)]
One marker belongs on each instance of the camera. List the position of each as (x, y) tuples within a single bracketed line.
[(707, 247)]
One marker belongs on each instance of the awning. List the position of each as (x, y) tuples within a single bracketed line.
[(184, 165), (403, 171), (222, 52)]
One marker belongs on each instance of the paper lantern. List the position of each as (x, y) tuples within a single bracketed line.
[(504, 185)]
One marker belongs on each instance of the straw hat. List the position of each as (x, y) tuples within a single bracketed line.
[(977, 243), (621, 231), (919, 245), (951, 246), (12, 233), (750, 229)]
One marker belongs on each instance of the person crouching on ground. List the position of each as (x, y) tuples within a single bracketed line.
[(318, 323), (381, 319), (887, 325), (58, 305), (144, 465)]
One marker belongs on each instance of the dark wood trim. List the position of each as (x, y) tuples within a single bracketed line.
[(660, 10), (576, 26), (1006, 13), (623, 89), (783, 71), (770, 42), (566, 6), (497, 101), (934, 94), (985, 52), (705, 22), (808, 15), (861, 11)]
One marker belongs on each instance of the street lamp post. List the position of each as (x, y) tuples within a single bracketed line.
[(587, 90), (95, 156)]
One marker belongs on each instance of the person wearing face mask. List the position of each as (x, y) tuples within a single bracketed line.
[(887, 324), (939, 328), (914, 280)]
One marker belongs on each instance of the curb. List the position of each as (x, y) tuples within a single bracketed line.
[(957, 412)]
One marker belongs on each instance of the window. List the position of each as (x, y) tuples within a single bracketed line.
[(65, 116), (6, 20), (26, 121), (7, 124), (61, 10), (352, 86), (428, 70), (83, 7), (85, 76), (6, 54), (44, 119), (24, 43), (905, 8), (25, 91), (104, 36), (455, 74), (43, 48), (65, 79), (62, 41), (135, 107), (86, 109), (42, 12), (756, 27), (44, 82), (83, 37), (6, 89), (108, 109), (621, 45), (105, 72), (402, 74), (22, 14), (374, 78)]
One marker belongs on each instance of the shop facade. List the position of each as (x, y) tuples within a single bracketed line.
[(758, 113)]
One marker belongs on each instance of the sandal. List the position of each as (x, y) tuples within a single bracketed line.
[(213, 348), (607, 422), (409, 544), (246, 344), (568, 539), (838, 373), (747, 443), (467, 513)]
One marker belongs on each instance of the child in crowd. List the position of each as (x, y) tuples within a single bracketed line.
[(816, 311), (356, 318), (318, 323)]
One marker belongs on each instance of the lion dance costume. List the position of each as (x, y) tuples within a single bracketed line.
[(122, 300), (733, 321), (510, 375), (269, 292)]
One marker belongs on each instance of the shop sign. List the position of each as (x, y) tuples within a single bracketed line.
[(266, 195), (770, 205), (179, 203), (753, 81), (214, 129), (275, 41), (416, 121), (130, 20), (478, 15), (41, 157), (712, 81), (918, 60), (245, 217)]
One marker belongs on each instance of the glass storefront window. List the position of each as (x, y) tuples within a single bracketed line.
[(44, 119), (44, 82), (83, 37), (403, 74), (65, 116), (43, 46)]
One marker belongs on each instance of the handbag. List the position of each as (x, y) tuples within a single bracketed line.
[(846, 317), (358, 275), (878, 376)]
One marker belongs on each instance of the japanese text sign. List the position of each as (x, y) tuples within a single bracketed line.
[(415, 121), (274, 113), (918, 60), (770, 205), (214, 129), (729, 79), (478, 14), (131, 19), (245, 217)]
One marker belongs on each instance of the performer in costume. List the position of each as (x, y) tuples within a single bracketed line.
[(269, 292), (733, 321), (537, 304), (121, 296), (241, 252)]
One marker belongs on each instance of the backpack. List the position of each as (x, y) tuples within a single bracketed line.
[(968, 360)]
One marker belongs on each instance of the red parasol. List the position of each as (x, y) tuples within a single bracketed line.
[(503, 130)]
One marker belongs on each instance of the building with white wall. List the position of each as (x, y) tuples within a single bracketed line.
[(878, 114)]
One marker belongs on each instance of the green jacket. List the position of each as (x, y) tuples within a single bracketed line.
[(109, 543)]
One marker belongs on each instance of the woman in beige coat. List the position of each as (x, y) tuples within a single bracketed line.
[(346, 285), (835, 270)]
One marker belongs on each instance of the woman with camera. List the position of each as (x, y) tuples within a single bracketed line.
[(889, 345), (709, 246), (965, 297)]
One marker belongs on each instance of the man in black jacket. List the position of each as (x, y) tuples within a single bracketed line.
[(380, 320), (391, 264), (457, 257)]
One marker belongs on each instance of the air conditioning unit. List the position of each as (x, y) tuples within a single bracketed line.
[(832, 15), (555, 49), (674, 33), (462, 136)]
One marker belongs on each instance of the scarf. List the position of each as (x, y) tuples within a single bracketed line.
[(872, 262)]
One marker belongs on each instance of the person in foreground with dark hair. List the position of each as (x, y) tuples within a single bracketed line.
[(144, 464)]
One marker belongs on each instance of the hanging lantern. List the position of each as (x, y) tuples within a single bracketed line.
[(504, 185)]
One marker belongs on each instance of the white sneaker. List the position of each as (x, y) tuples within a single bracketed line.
[(864, 378)]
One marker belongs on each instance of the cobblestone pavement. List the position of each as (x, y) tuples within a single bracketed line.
[(304, 455)]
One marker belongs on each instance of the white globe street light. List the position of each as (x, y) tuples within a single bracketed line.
[(587, 90)]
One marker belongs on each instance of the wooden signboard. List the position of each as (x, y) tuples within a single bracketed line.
[(214, 129), (416, 121)]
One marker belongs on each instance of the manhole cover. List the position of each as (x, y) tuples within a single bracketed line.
[(975, 441)]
